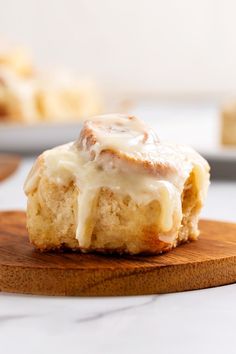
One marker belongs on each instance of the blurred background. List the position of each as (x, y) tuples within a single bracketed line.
[(170, 62), (151, 48)]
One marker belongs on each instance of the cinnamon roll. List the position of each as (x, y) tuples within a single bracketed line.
[(17, 98), (228, 124), (42, 98), (118, 188), (28, 95), (15, 58)]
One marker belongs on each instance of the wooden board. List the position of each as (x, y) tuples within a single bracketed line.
[(8, 165), (211, 261)]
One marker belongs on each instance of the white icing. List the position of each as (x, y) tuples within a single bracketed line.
[(84, 164), (128, 135)]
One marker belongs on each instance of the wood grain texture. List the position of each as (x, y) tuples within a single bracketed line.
[(211, 261), (8, 165)]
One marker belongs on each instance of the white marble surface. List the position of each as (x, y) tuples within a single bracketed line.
[(191, 322)]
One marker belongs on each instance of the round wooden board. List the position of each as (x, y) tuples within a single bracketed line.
[(8, 165), (211, 261)]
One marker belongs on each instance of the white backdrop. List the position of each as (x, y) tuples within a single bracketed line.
[(140, 46)]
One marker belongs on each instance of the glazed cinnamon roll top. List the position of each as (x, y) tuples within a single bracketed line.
[(126, 143), (117, 132)]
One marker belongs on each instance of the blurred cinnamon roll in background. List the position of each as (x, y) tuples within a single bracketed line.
[(228, 124), (15, 58), (28, 95)]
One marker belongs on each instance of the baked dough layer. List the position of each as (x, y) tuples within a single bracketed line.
[(118, 223)]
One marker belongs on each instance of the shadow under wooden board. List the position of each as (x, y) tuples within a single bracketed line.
[(8, 165), (211, 261)]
